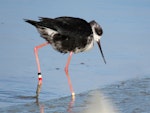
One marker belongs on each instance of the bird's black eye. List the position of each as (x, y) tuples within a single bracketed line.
[(99, 31)]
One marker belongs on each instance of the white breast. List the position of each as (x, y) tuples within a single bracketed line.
[(89, 46)]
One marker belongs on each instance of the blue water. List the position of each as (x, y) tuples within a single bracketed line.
[(130, 96), (125, 44)]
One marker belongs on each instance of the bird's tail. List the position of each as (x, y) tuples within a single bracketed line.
[(34, 23)]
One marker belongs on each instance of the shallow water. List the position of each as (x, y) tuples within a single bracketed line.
[(125, 44), (131, 96)]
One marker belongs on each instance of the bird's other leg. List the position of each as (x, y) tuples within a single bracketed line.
[(67, 74), (38, 66)]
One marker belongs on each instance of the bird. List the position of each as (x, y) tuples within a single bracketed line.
[(66, 35)]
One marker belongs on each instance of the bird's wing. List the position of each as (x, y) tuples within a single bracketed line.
[(67, 26)]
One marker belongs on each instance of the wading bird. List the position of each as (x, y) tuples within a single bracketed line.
[(66, 35)]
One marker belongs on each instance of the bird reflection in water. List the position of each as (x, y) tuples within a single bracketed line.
[(93, 102), (69, 106)]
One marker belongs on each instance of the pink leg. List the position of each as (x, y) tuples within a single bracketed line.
[(67, 74), (38, 66)]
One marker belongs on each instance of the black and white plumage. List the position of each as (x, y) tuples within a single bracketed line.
[(67, 34)]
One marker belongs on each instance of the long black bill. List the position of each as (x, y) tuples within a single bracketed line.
[(99, 45)]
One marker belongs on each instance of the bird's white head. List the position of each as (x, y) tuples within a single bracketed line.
[(97, 30), (97, 33)]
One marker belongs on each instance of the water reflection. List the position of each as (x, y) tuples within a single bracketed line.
[(71, 102), (89, 102), (47, 105), (41, 108), (93, 102)]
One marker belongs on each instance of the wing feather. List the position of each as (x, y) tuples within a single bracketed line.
[(67, 26)]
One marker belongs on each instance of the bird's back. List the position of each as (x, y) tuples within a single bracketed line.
[(76, 26), (71, 32), (64, 25)]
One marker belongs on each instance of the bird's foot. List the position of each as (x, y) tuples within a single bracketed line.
[(73, 95)]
